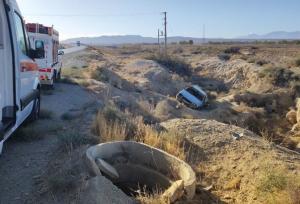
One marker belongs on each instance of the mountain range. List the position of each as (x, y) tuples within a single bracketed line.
[(277, 35), (137, 39)]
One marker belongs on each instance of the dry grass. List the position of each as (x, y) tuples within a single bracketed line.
[(275, 185), (174, 64), (113, 125), (73, 72), (37, 130), (68, 116), (156, 198)]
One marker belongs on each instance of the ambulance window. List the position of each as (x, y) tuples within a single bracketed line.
[(39, 45), (21, 37)]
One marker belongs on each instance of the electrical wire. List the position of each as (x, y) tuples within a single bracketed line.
[(93, 15)]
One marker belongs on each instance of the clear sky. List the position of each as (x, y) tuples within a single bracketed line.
[(222, 18)]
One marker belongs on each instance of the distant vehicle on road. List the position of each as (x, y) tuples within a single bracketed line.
[(193, 97), (78, 43), (19, 74), (47, 39)]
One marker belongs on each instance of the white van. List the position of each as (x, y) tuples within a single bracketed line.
[(19, 76), (46, 38)]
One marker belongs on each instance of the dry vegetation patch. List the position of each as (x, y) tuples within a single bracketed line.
[(173, 63)]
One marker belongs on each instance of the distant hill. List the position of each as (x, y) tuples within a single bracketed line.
[(137, 39), (127, 39), (277, 35)]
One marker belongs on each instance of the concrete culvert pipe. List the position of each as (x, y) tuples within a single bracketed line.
[(135, 166)]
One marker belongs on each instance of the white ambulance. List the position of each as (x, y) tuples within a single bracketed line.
[(19, 76), (47, 39)]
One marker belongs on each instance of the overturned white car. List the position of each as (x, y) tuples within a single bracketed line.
[(193, 97)]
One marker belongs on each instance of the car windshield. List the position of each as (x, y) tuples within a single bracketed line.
[(195, 93)]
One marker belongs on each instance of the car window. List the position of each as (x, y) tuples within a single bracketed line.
[(21, 37), (195, 93)]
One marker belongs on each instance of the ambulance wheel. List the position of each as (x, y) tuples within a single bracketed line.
[(35, 113), (51, 85), (54, 76), (58, 76)]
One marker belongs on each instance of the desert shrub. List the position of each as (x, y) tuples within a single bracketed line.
[(46, 114), (72, 72), (111, 125), (232, 50), (164, 110), (173, 64), (279, 76), (297, 62), (68, 80), (65, 172), (99, 74), (70, 140), (261, 62), (224, 56), (272, 181), (67, 116), (178, 50), (251, 60), (36, 131), (276, 186)]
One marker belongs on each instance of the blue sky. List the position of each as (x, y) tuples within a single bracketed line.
[(222, 18)]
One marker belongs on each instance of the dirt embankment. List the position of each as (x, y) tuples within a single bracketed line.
[(49, 167), (225, 166)]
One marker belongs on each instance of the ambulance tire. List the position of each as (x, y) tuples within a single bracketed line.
[(58, 76), (35, 113)]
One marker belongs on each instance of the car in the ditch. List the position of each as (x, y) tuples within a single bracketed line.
[(193, 97)]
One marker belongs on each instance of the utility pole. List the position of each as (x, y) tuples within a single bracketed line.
[(204, 34), (166, 36), (158, 40)]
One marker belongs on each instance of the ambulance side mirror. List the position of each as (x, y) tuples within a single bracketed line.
[(37, 54), (61, 52)]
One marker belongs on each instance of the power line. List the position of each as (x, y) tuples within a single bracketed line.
[(91, 15)]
